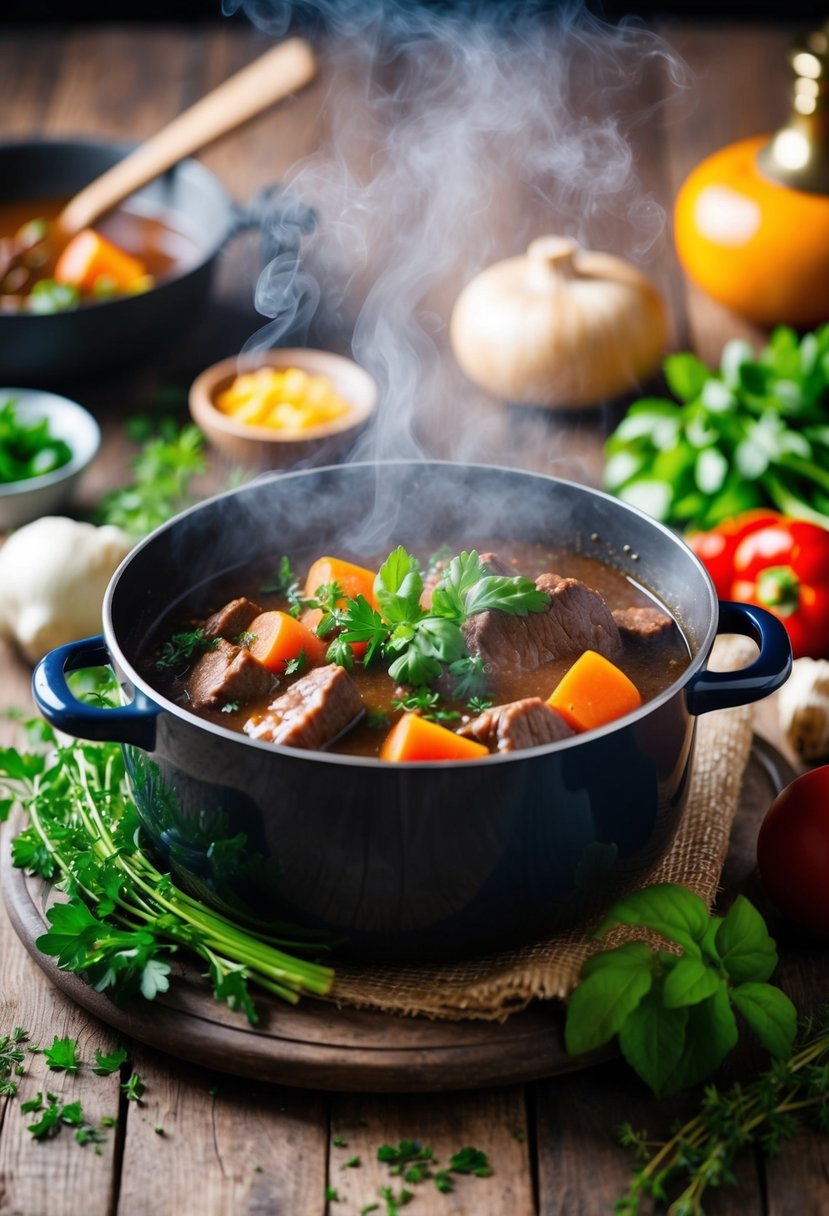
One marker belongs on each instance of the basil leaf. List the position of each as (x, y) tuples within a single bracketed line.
[(746, 949), (671, 910), (710, 1033), (688, 983), (770, 1014), (614, 983), (652, 1040)]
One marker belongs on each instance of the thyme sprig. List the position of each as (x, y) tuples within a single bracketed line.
[(760, 1115)]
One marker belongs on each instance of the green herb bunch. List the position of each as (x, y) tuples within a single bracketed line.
[(420, 643), (754, 433), (168, 460), (674, 1012), (27, 447), (760, 1115), (123, 918)]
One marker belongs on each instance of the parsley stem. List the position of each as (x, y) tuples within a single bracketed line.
[(265, 959)]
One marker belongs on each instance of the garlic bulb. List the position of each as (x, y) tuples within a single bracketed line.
[(803, 706), (53, 575), (559, 327)]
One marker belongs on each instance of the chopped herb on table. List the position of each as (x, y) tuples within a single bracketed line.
[(169, 459), (754, 433)]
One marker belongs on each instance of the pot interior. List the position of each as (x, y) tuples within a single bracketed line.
[(191, 198), (364, 509)]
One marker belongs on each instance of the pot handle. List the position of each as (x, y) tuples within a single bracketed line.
[(133, 723), (709, 690), (280, 216)]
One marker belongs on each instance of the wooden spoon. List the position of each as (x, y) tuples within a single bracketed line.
[(280, 71)]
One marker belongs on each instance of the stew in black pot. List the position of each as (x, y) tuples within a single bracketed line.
[(448, 656)]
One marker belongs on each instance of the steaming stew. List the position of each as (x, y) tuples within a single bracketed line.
[(151, 244), (460, 659)]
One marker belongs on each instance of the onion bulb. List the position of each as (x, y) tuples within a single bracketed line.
[(559, 326)]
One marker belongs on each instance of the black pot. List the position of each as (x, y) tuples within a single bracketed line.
[(416, 860), (102, 335)]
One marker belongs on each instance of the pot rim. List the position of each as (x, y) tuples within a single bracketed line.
[(205, 253), (698, 658)]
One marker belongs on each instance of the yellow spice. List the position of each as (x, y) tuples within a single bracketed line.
[(286, 399)]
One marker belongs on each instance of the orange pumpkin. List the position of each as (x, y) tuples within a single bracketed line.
[(759, 247)]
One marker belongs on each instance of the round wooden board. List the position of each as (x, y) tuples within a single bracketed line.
[(318, 1045)]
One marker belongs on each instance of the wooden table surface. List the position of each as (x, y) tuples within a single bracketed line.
[(234, 1147)]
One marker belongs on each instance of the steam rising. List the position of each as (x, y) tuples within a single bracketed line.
[(451, 140)]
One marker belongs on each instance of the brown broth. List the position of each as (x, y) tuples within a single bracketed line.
[(163, 248), (652, 666)]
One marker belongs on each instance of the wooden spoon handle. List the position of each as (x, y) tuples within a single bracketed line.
[(280, 71)]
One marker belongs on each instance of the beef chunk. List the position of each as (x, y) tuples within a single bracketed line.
[(643, 624), (231, 620), (314, 711), (576, 619), (227, 673), (526, 723)]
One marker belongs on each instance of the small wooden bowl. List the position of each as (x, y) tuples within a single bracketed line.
[(262, 447)]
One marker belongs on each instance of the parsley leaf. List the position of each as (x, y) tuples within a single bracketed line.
[(284, 581), (133, 1088), (62, 1055), (106, 1064)]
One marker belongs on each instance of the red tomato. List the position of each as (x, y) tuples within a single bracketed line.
[(793, 851)]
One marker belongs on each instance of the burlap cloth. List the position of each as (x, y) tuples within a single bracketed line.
[(493, 987)]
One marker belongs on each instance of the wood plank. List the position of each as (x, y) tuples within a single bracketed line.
[(579, 1155), (59, 1177), (226, 1146), (496, 1122), (118, 82), (29, 65)]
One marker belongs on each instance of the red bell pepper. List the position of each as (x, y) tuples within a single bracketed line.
[(761, 557), (716, 548), (785, 567)]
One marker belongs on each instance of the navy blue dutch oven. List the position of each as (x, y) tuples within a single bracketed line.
[(418, 860)]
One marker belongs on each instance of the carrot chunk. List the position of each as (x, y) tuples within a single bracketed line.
[(416, 738), (89, 259), (594, 692), (354, 580), (277, 639)]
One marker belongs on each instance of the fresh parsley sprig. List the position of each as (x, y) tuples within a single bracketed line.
[(420, 643), (752, 433), (674, 1013), (123, 917), (163, 471)]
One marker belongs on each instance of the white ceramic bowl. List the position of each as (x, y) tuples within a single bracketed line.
[(22, 501)]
